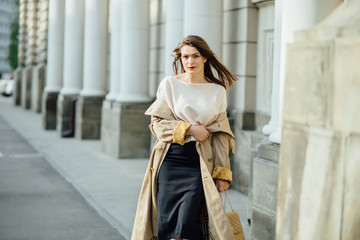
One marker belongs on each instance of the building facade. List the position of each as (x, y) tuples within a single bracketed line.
[(32, 53), (92, 68), (8, 14)]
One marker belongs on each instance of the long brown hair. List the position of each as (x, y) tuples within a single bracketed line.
[(224, 77)]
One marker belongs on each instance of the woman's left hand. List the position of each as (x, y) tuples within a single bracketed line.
[(222, 185)]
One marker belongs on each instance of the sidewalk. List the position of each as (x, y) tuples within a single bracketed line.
[(36, 202), (110, 185)]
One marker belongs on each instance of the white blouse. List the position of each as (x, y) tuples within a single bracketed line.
[(195, 103)]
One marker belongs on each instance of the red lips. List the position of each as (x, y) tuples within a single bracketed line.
[(191, 68)]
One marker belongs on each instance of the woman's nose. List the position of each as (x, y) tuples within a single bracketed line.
[(190, 59)]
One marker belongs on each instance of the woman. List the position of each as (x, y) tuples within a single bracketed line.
[(189, 163)]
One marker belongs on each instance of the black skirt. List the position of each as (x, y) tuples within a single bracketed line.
[(180, 193)]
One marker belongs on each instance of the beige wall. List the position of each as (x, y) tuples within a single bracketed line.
[(319, 164)]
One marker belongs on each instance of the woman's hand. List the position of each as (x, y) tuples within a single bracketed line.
[(222, 185), (199, 132)]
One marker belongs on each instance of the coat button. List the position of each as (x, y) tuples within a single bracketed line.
[(160, 149), (209, 159), (152, 169)]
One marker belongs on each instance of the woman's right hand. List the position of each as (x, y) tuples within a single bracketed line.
[(199, 132)]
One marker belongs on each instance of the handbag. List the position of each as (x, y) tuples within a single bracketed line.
[(234, 219)]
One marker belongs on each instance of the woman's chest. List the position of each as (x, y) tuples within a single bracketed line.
[(196, 107)]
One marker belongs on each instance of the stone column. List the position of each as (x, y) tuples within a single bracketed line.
[(205, 18), (174, 18), (17, 87), (30, 60), (55, 63), (115, 15), (157, 15), (88, 106), (319, 177), (21, 51), (131, 136), (134, 29), (39, 71), (73, 66), (287, 22), (114, 89), (37, 86), (25, 84)]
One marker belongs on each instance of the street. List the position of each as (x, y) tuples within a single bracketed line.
[(38, 203)]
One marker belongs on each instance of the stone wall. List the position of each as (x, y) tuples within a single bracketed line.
[(239, 55), (319, 163)]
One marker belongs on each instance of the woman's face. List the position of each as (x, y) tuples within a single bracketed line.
[(192, 60)]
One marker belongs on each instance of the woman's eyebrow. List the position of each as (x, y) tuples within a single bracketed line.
[(190, 54)]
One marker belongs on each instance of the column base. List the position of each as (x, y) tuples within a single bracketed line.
[(275, 137), (66, 106), (265, 185), (88, 117), (17, 89), (49, 110), (249, 122), (128, 134), (38, 82), (26, 87)]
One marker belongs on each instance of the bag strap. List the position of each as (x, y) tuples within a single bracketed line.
[(227, 199)]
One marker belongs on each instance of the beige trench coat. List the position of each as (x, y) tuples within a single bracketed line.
[(214, 164)]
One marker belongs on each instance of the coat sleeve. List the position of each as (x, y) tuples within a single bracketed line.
[(221, 145), (169, 130)]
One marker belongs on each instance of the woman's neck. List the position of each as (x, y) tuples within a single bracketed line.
[(195, 78)]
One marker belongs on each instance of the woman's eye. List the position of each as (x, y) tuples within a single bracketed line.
[(196, 56)]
